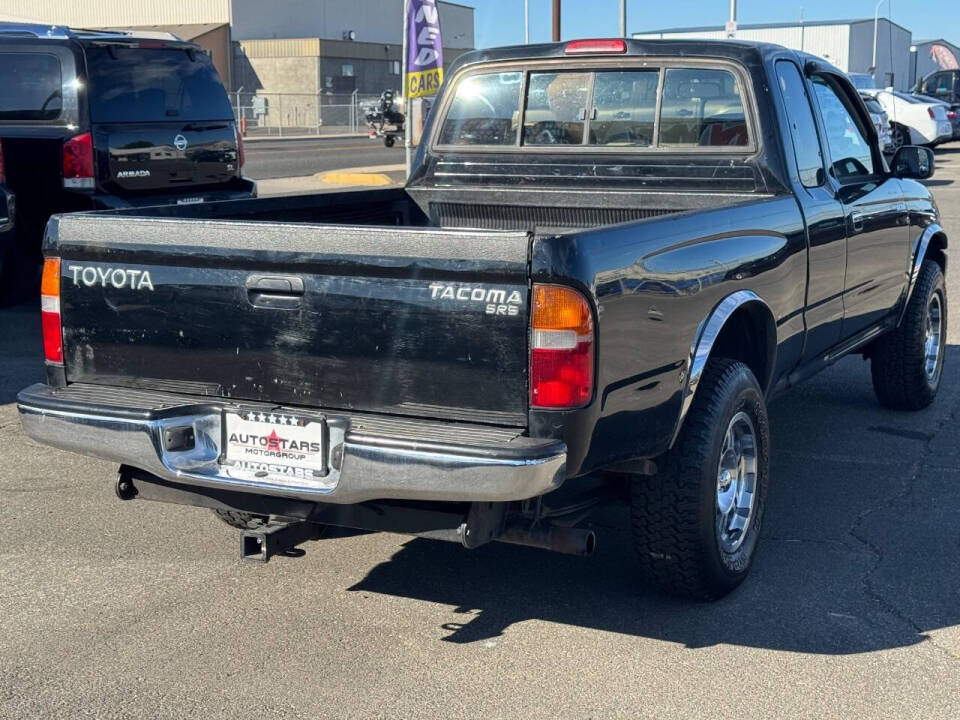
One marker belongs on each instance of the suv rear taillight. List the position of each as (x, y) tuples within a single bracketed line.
[(931, 113), (561, 348), (78, 162), (50, 311)]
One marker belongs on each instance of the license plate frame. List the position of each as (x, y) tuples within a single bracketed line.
[(251, 446)]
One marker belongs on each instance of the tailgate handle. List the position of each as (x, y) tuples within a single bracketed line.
[(275, 291)]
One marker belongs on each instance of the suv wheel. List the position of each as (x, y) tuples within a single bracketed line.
[(899, 136), (696, 523), (907, 364)]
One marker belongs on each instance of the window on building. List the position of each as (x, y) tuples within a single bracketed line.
[(394, 67), (31, 87), (346, 70)]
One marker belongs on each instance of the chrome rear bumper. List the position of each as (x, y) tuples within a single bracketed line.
[(369, 457)]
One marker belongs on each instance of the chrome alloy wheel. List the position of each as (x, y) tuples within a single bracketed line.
[(933, 327), (736, 482)]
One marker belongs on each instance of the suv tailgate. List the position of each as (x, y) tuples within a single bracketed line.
[(428, 323)]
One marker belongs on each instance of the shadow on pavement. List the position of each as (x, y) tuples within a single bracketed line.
[(21, 352), (859, 550)]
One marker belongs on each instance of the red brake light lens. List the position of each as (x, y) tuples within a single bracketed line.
[(50, 311), (932, 114), (78, 162), (590, 47), (952, 115), (561, 348)]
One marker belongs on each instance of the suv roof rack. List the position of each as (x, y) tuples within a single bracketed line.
[(62, 32)]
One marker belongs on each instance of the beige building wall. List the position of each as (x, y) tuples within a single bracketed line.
[(116, 13)]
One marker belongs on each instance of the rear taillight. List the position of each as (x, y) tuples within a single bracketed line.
[(241, 152), (561, 348), (933, 115), (78, 162), (50, 311), (952, 115)]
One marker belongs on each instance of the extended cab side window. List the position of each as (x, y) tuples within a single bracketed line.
[(850, 152), (803, 128), (32, 87)]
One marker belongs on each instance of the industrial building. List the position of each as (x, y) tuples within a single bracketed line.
[(284, 46), (848, 44)]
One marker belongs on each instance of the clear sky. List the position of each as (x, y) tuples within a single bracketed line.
[(500, 22)]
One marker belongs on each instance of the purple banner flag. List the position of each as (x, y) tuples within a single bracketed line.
[(424, 49)]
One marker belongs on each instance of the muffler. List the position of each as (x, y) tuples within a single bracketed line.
[(556, 538)]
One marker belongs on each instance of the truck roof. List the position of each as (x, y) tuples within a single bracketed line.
[(743, 50), (42, 31)]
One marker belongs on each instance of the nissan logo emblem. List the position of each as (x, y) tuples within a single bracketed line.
[(180, 142)]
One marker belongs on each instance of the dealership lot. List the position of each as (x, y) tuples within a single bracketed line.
[(137, 609)]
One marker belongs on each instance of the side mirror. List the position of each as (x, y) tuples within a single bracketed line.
[(913, 162)]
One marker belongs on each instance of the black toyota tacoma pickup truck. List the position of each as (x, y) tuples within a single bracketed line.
[(609, 256)]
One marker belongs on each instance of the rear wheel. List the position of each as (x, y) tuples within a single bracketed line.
[(907, 364), (388, 141), (899, 136), (696, 523)]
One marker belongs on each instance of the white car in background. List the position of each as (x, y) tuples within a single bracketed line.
[(914, 121), (880, 120)]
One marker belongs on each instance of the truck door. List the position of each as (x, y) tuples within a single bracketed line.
[(822, 212), (873, 203)]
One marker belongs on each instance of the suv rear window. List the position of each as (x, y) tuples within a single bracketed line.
[(671, 107), (130, 84), (32, 87)]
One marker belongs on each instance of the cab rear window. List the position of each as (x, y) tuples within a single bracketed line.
[(132, 84), (32, 87), (669, 107)]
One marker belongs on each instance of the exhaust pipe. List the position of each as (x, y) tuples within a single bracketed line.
[(556, 538)]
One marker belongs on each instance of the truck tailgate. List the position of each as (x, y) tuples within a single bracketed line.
[(417, 322)]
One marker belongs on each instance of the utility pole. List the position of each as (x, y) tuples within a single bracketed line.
[(732, 22), (556, 20), (623, 18), (526, 21), (407, 103), (876, 22)]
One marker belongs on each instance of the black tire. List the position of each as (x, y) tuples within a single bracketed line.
[(675, 514), (241, 520), (899, 136), (898, 360), (388, 141)]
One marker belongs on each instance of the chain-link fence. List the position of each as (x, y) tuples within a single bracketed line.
[(282, 114)]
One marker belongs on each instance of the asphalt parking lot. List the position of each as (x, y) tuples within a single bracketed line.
[(114, 609)]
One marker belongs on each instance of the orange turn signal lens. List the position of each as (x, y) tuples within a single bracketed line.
[(556, 307), (50, 284)]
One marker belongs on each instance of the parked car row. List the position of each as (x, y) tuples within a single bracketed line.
[(99, 120)]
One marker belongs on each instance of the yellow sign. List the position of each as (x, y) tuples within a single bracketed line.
[(426, 82)]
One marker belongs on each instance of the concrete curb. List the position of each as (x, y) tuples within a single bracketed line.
[(372, 176)]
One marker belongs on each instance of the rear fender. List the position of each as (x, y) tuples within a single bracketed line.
[(706, 338)]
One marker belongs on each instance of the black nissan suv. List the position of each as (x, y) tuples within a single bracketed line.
[(107, 119)]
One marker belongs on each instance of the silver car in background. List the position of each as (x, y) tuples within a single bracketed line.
[(881, 121)]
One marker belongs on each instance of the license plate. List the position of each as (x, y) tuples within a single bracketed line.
[(189, 200), (275, 447)]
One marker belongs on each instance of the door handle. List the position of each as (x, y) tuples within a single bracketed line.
[(280, 292), (856, 218)]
